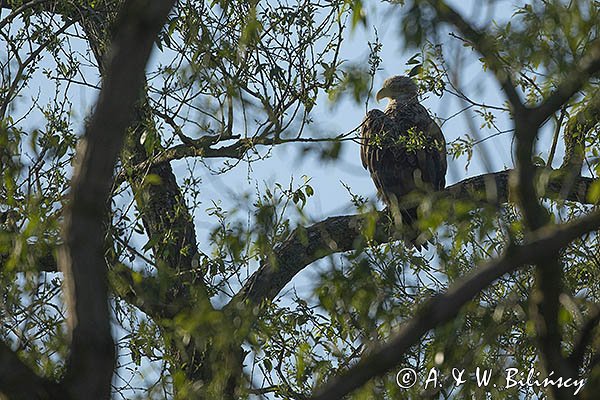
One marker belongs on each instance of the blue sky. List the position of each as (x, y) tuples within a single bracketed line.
[(331, 198)]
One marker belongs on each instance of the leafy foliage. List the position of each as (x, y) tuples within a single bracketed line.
[(233, 80)]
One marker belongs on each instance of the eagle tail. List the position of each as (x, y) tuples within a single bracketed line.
[(405, 220)]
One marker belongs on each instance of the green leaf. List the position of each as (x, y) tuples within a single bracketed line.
[(593, 194), (358, 14), (415, 70), (538, 161), (309, 190), (414, 59), (152, 179)]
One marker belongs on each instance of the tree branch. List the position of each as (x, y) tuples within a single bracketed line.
[(16, 11), (344, 233), (584, 338), (144, 293), (162, 207), (18, 381), (443, 307), (202, 148), (490, 188), (576, 130), (91, 360), (548, 274)]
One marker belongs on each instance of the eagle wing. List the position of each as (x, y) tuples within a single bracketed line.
[(403, 148), (432, 160), (393, 165), (390, 165), (372, 125)]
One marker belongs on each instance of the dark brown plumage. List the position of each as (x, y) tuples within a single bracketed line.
[(402, 147)]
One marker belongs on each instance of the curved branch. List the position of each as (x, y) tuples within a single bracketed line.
[(344, 233), (164, 213), (317, 241), (577, 78), (303, 247), (443, 307), (202, 148), (584, 338)]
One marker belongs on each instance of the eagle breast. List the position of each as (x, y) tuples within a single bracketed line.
[(402, 147)]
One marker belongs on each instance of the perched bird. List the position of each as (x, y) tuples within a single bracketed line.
[(403, 148)]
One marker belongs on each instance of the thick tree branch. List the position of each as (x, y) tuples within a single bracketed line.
[(303, 247), (590, 390), (575, 133), (91, 361), (237, 150), (527, 122), (491, 188), (583, 340), (18, 381), (443, 307), (548, 271), (178, 286), (144, 293), (544, 311), (343, 233), (484, 44), (165, 215)]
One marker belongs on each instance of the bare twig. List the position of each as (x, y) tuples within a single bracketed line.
[(484, 44), (577, 78)]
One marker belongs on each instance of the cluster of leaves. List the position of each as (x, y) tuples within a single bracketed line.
[(414, 141), (31, 313), (356, 79), (427, 67), (543, 39)]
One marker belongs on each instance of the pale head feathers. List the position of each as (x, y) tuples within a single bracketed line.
[(398, 88)]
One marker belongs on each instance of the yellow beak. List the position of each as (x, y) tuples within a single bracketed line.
[(383, 93)]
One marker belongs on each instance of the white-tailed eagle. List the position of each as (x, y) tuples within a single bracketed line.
[(402, 147)]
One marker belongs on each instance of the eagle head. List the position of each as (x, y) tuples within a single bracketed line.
[(400, 88)]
